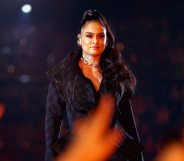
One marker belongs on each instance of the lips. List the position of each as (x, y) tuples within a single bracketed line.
[(95, 47)]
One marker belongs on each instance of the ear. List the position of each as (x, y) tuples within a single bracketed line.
[(79, 39)]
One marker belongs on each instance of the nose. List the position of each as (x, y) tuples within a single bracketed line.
[(95, 39)]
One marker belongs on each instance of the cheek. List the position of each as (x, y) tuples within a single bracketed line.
[(85, 41)]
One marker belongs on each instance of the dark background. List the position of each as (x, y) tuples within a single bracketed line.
[(150, 35)]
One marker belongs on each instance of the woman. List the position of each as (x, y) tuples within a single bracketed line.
[(77, 83)]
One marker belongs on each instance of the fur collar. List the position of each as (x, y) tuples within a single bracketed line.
[(66, 74)]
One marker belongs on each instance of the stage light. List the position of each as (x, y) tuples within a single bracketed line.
[(26, 8)]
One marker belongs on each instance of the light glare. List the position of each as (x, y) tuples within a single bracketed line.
[(26, 8)]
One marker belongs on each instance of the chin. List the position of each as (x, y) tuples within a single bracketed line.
[(96, 53)]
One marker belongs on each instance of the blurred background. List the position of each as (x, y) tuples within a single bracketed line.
[(34, 38)]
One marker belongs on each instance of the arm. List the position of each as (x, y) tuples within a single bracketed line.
[(127, 121), (54, 111)]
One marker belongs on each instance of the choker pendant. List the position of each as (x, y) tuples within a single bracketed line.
[(93, 64)]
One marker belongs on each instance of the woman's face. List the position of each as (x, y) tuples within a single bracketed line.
[(93, 38)]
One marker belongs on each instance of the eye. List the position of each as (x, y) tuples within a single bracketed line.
[(89, 36), (102, 36)]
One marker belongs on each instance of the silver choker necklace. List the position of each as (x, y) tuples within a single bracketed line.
[(87, 62)]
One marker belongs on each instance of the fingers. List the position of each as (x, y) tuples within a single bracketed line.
[(104, 112)]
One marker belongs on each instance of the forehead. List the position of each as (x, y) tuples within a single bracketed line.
[(93, 27)]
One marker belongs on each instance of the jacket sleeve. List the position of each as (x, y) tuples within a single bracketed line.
[(131, 146), (54, 115)]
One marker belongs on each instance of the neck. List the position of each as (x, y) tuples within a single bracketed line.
[(90, 60)]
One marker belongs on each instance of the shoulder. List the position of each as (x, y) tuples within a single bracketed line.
[(64, 66)]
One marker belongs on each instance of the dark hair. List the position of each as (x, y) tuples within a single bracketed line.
[(94, 15), (112, 65)]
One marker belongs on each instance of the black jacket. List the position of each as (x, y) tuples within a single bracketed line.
[(71, 96)]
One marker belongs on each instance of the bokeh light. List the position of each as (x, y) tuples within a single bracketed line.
[(2, 110), (26, 8)]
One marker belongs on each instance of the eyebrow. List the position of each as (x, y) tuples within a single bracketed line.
[(93, 33)]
